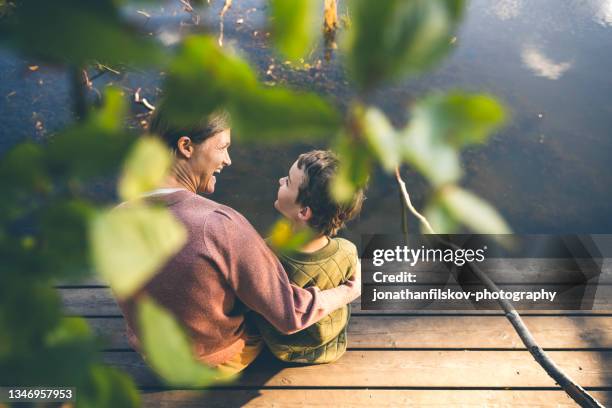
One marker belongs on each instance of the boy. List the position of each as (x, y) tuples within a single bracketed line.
[(324, 261)]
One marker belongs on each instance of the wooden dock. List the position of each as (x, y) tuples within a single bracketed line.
[(419, 358)]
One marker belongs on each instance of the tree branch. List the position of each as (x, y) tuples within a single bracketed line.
[(575, 391)]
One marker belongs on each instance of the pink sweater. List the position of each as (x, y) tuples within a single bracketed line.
[(224, 268)]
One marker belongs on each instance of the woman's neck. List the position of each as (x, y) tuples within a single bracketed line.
[(180, 177), (315, 244)]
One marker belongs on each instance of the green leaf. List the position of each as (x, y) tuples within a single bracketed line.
[(462, 119), (425, 149), (395, 37), (281, 115), (131, 242), (76, 32), (443, 123), (284, 239), (202, 79), (472, 211), (94, 147), (382, 138), (145, 168), (440, 220), (294, 26), (353, 170), (168, 350), (63, 238), (107, 387)]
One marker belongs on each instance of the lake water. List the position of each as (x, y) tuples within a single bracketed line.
[(549, 61)]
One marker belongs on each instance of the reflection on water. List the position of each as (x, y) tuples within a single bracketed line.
[(507, 9), (548, 60), (541, 65)]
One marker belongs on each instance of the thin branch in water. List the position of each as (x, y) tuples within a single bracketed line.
[(574, 390), (226, 6)]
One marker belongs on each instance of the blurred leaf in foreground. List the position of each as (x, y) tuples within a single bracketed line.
[(441, 125), (382, 138), (284, 239), (76, 32), (107, 387), (354, 168), (202, 79), (131, 242), (281, 115), (294, 25), (94, 147), (440, 220), (395, 37), (145, 168), (472, 211), (168, 350)]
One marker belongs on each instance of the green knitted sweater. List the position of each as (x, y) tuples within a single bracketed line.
[(324, 341)]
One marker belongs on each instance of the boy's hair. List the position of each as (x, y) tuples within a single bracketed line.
[(208, 126), (328, 216)]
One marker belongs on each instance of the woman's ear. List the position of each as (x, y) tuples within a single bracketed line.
[(184, 147), (305, 214)]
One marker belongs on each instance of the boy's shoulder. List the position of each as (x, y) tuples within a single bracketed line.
[(345, 245)]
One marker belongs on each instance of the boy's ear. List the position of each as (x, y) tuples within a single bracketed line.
[(305, 214)]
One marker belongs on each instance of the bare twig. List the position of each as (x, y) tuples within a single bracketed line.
[(575, 391), (226, 6), (143, 101), (408, 203)]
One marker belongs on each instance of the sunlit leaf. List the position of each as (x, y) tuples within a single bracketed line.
[(439, 219), (283, 238), (95, 146), (131, 242), (382, 138), (168, 349), (425, 149), (145, 168), (472, 211), (281, 115), (462, 119), (353, 170), (294, 25), (76, 32), (203, 78), (443, 123), (395, 37)]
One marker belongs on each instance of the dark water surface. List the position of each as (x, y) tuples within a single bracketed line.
[(550, 61)]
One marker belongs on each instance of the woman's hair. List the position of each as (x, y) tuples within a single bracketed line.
[(208, 126), (328, 216)]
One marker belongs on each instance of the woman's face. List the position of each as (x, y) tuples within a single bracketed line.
[(209, 158)]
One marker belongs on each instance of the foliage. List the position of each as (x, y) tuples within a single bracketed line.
[(50, 231)]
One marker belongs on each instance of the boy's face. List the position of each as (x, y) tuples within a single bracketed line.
[(287, 195)]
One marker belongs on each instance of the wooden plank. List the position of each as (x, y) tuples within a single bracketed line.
[(399, 368), (100, 302), (442, 332), (363, 398)]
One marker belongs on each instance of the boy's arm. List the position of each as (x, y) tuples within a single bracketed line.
[(260, 282)]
